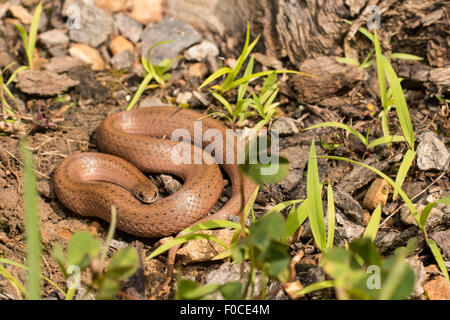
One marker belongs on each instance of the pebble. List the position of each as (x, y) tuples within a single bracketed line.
[(420, 275), (119, 44), (21, 13), (184, 97), (123, 60), (62, 64), (128, 27), (204, 250), (182, 35), (151, 101), (95, 24), (43, 82), (111, 5), (285, 126), (54, 37), (378, 193), (170, 184), (197, 70), (432, 154), (146, 11), (201, 51), (88, 55), (437, 289)]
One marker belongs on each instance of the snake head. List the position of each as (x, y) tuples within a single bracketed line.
[(146, 192)]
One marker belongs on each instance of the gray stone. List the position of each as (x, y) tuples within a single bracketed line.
[(44, 82), (442, 239), (54, 37), (432, 154), (95, 23), (184, 97), (435, 218), (285, 126), (151, 101), (181, 34), (350, 206), (201, 51), (298, 158), (63, 64), (128, 27), (420, 274), (123, 60)]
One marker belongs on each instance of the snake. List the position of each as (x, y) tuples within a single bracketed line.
[(137, 142)]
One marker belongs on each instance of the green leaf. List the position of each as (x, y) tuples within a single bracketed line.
[(314, 196), (380, 70), (269, 227), (33, 33), (20, 289), (385, 140), (190, 290), (123, 265), (348, 61), (403, 170), (405, 56), (294, 220), (266, 173), (140, 91), (223, 101), (277, 257), (331, 217), (438, 257), (214, 76), (262, 74), (231, 290), (32, 232), (341, 126), (82, 247), (108, 289), (374, 223), (58, 255), (400, 103), (316, 286), (399, 282), (366, 249)]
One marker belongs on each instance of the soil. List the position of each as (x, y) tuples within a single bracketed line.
[(56, 129)]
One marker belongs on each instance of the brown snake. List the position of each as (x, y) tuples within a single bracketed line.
[(90, 183)]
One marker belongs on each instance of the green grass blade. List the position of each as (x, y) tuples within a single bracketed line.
[(348, 61), (363, 30), (405, 56), (33, 239), (341, 126), (438, 257), (295, 219), (262, 74), (374, 223), (223, 101), (23, 35), (214, 76), (140, 91), (403, 170), (402, 194), (380, 70), (385, 140), (314, 194), (400, 103), (331, 217), (243, 87), (316, 286), (20, 290), (15, 73), (33, 33)]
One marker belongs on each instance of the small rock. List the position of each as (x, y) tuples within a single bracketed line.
[(182, 35), (285, 126), (123, 60), (345, 230), (201, 51), (170, 184), (420, 273), (204, 250), (88, 55), (435, 218), (117, 245), (21, 13), (442, 239), (432, 154), (111, 5), (298, 158), (43, 82), (29, 3), (128, 27), (95, 24), (291, 288), (120, 44), (44, 188), (197, 70), (54, 37), (146, 11), (437, 289), (377, 193), (349, 206), (62, 64), (184, 97), (151, 101)]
